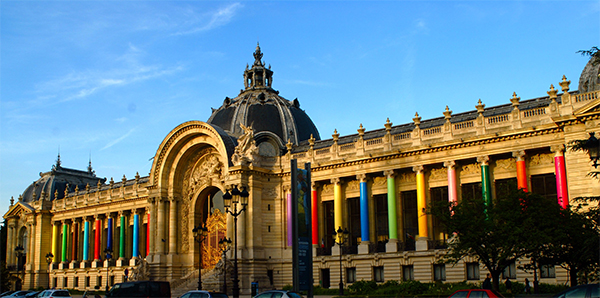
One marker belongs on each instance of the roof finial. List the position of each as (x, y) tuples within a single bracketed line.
[(90, 170), (258, 55), (58, 158)]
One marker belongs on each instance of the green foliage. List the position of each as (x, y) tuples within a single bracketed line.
[(594, 54), (362, 287), (4, 278)]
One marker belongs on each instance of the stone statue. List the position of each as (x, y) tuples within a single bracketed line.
[(140, 271), (246, 151)]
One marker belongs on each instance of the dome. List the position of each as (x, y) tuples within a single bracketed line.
[(55, 182), (274, 119), (590, 76)]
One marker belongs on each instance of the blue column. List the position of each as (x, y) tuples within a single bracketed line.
[(364, 212), (136, 235), (109, 241)]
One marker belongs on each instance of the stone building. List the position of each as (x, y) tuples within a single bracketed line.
[(72, 229)]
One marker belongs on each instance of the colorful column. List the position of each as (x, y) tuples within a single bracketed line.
[(148, 233), (521, 170), (97, 240), (109, 232), (55, 233), (136, 235), (421, 202), (65, 236), (561, 176), (289, 217), (486, 184), (86, 239), (337, 204), (391, 202), (364, 208), (452, 193), (314, 212), (75, 241), (122, 237)]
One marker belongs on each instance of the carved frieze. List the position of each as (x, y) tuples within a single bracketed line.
[(471, 169), (508, 164), (407, 177), (353, 186), (379, 182), (327, 189), (438, 174), (541, 159)]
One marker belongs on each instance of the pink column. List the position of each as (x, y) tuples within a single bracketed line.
[(452, 196), (289, 218), (562, 192), (315, 216)]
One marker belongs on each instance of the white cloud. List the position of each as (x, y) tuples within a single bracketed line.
[(215, 19)]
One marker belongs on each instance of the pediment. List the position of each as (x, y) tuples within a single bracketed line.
[(18, 209), (591, 108)]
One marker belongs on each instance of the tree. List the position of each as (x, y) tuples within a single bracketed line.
[(594, 54), (498, 234)]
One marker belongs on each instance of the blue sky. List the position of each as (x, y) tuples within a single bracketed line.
[(111, 79)]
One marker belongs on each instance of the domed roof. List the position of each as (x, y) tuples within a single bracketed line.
[(590, 76), (261, 107), (57, 180)]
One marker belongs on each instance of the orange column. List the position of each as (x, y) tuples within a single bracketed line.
[(521, 170)]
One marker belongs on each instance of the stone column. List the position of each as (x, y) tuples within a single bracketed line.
[(562, 192), (422, 241), (392, 245), (160, 227), (173, 226), (365, 237), (10, 249), (152, 226), (521, 169)]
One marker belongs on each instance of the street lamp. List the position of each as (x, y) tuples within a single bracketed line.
[(19, 253), (49, 259), (340, 237), (592, 145), (200, 234), (225, 246), (232, 200), (108, 252)]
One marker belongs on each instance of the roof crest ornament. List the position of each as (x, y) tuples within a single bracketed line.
[(258, 56)]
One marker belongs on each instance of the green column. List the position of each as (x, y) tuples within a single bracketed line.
[(391, 196), (122, 238), (486, 185), (64, 241)]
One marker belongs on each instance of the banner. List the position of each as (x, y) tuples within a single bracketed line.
[(301, 228)]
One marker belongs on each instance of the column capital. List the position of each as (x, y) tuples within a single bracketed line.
[(314, 185), (173, 199), (389, 174), (418, 169), (519, 155), (557, 149), (361, 177), (450, 164), (287, 188), (483, 160), (335, 180)]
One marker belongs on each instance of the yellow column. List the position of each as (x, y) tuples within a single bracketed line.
[(55, 234), (337, 203), (421, 201)]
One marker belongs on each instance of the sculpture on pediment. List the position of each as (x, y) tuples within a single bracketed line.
[(246, 152)]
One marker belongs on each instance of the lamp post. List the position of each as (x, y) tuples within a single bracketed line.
[(49, 259), (592, 145), (19, 253), (231, 201), (108, 252), (200, 234), (225, 246), (340, 237)]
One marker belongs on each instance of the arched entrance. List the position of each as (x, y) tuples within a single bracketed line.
[(210, 212)]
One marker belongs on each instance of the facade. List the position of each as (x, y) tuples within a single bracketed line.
[(74, 230)]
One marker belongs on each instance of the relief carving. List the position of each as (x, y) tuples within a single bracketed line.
[(379, 181), (541, 159), (353, 185), (471, 169), (327, 188), (407, 177), (439, 174), (509, 164), (270, 193)]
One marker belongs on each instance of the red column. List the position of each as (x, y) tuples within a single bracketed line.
[(561, 176), (521, 170), (97, 240)]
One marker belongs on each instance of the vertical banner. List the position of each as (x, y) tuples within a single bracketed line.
[(301, 228)]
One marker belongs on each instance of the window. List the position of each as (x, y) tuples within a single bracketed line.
[(378, 273), (55, 282), (325, 278), (76, 282), (354, 211), (504, 187), (547, 271), (439, 272), (351, 275), (409, 213), (473, 271), (471, 191), (381, 218), (270, 276), (65, 282), (544, 185), (408, 272), (438, 194), (510, 271), (87, 281)]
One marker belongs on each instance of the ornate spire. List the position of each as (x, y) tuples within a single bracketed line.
[(89, 168), (258, 56)]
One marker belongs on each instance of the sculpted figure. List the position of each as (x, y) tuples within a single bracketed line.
[(246, 151)]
